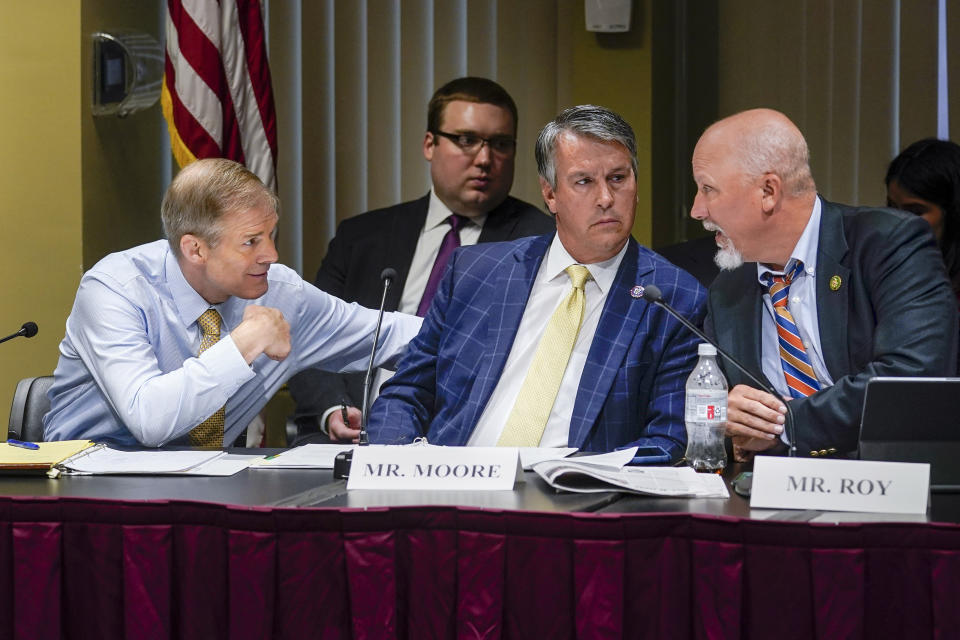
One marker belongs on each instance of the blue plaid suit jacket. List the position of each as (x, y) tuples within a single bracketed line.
[(632, 388)]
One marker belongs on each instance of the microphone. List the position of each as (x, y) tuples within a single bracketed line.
[(652, 294), (387, 276), (28, 330)]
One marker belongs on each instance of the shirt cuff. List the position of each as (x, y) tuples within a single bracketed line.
[(227, 365), (323, 419)]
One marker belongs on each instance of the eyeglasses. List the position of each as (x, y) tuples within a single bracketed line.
[(472, 143)]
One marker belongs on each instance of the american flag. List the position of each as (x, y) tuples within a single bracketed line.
[(216, 95)]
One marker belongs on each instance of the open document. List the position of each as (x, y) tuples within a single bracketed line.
[(580, 475), (103, 460)]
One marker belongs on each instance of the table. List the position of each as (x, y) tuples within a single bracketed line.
[(155, 565), (250, 488), (294, 488)]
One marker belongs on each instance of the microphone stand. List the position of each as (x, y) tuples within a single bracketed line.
[(344, 460), (652, 294), (387, 276)]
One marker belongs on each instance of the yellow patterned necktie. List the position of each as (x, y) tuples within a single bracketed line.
[(530, 412), (209, 433)]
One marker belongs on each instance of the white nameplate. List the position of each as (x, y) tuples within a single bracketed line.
[(434, 468), (840, 485)]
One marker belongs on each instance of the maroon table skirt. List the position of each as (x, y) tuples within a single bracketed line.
[(80, 568)]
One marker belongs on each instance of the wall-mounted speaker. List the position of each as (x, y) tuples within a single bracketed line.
[(608, 16), (127, 72)]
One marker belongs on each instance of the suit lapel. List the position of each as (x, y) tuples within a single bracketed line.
[(742, 335), (507, 304), (833, 302), (500, 223), (618, 324), (401, 243)]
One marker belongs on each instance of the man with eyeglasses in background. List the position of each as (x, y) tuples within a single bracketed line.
[(470, 144)]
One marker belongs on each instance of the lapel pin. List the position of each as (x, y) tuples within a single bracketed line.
[(835, 283), (637, 291)]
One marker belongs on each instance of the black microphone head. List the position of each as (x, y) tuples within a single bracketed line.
[(29, 329), (388, 274), (651, 293)]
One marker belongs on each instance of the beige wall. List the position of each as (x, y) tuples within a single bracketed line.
[(74, 187), (40, 181), (122, 158), (615, 71)]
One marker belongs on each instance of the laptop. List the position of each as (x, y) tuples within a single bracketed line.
[(914, 420)]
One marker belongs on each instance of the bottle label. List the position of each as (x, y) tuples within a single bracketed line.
[(706, 405)]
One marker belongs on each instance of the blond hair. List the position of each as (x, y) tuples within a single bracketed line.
[(203, 192)]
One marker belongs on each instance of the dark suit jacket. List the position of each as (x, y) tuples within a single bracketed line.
[(695, 257), (893, 315), (363, 247), (632, 387)]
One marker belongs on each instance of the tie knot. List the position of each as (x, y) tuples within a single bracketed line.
[(579, 275), (457, 221), (209, 322), (771, 280)]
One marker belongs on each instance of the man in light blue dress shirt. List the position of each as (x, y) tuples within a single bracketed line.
[(129, 372)]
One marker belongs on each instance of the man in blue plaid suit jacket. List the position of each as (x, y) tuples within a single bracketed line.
[(624, 383)]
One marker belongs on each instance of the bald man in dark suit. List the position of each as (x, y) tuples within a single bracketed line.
[(816, 296)]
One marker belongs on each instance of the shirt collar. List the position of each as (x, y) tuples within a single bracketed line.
[(805, 249), (437, 214), (188, 302), (603, 273)]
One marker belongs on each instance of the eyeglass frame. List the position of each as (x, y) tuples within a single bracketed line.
[(455, 139)]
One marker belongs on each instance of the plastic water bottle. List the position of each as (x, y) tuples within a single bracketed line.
[(706, 413)]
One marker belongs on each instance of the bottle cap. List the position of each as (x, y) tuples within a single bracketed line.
[(706, 349)]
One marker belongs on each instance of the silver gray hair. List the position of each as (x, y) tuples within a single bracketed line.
[(589, 120)]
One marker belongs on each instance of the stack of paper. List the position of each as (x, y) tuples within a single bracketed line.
[(102, 460)]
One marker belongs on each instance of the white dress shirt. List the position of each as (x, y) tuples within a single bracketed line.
[(551, 286), (428, 246)]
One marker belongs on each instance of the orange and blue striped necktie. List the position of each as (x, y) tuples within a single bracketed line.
[(797, 369)]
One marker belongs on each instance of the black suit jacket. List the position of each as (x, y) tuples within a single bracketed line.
[(363, 247), (893, 314), (695, 257)]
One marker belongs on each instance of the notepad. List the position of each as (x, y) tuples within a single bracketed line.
[(15, 460)]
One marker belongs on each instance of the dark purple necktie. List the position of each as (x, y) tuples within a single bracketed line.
[(450, 242)]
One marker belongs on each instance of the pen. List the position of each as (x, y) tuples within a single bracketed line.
[(23, 445), (343, 413)]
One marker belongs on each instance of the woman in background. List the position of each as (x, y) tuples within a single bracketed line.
[(925, 179)]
